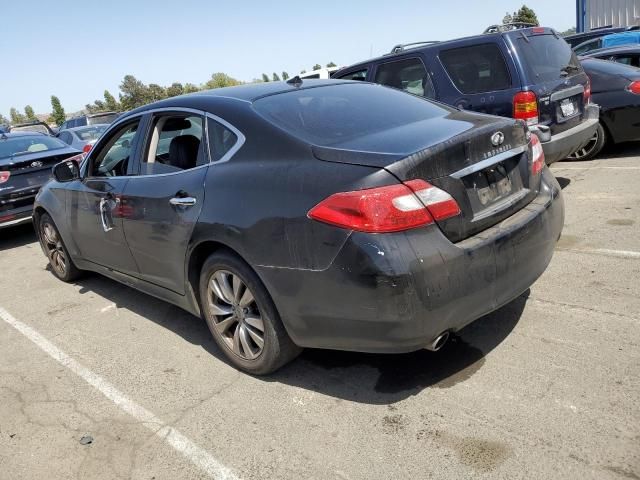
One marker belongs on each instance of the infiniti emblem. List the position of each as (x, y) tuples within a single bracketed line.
[(36, 164), (497, 139)]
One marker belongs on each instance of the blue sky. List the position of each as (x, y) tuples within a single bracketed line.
[(76, 49)]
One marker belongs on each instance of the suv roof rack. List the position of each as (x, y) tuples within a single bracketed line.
[(505, 27), (403, 46)]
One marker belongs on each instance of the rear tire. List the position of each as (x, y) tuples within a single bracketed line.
[(54, 248), (593, 147), (242, 317)]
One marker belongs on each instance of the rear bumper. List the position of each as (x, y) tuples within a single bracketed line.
[(395, 293), (560, 146), (16, 216)]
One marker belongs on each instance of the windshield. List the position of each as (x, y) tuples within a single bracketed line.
[(90, 133), (23, 145), (336, 114), (547, 58)]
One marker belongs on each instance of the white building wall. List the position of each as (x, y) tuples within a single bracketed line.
[(618, 13)]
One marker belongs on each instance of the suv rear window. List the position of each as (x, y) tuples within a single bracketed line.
[(408, 75), (476, 69), (106, 118), (547, 58), (336, 114)]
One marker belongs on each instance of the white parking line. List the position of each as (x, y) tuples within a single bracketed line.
[(591, 167), (604, 251), (196, 455)]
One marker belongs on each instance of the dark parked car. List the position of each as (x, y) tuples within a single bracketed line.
[(616, 88), (529, 74), (608, 41), (35, 126), (319, 213), (578, 38), (627, 54), (91, 119), (26, 159)]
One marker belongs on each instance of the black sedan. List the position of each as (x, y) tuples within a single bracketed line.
[(326, 214), (616, 88), (26, 159), (627, 54)]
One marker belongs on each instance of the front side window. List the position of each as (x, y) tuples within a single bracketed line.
[(358, 75), (112, 158), (476, 69), (408, 75), (175, 144)]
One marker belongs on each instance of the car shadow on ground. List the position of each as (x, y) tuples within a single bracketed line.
[(563, 181), (359, 377), (14, 237)]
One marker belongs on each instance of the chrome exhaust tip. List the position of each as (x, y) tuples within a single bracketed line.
[(438, 342)]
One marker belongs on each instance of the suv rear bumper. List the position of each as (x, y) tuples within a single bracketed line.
[(560, 146)]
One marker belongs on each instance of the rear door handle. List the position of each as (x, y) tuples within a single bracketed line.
[(183, 201)]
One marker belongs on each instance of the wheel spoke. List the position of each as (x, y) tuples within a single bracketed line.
[(225, 324), (220, 285), (236, 341), (244, 340), (49, 234), (247, 298), (238, 287), (255, 322), (257, 339), (220, 309)]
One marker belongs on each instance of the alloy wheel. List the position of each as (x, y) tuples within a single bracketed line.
[(54, 249), (587, 149), (237, 318)]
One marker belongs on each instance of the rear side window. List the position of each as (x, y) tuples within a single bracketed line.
[(546, 58), (359, 75), (408, 75), (333, 115), (476, 69), (221, 139)]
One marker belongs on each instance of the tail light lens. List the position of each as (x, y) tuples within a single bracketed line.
[(525, 107), (4, 176), (386, 209), (87, 148), (586, 97), (634, 87), (537, 155)]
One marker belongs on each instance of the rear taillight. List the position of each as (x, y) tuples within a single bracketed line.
[(537, 155), (634, 87), (4, 176), (586, 96), (386, 209), (87, 148), (525, 107)]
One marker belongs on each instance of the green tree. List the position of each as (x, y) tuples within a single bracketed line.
[(57, 114), (331, 64), (569, 31), (303, 72), (95, 107), (220, 80), (134, 93), (155, 92), (508, 18), (265, 77), (527, 15), (190, 88), (285, 76), (4, 120), (30, 114), (16, 116), (175, 89), (276, 78), (317, 66), (110, 102)]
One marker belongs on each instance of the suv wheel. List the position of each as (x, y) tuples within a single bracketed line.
[(242, 317), (593, 147), (61, 264)]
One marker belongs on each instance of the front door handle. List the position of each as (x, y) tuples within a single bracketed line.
[(106, 206), (183, 201)]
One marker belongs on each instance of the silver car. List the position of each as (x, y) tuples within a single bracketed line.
[(82, 138)]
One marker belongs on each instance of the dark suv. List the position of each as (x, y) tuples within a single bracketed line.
[(91, 119), (529, 74)]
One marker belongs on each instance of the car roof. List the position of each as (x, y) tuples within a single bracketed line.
[(631, 48)]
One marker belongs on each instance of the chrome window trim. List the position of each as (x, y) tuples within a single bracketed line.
[(489, 161)]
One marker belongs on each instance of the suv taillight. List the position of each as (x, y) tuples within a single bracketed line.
[(4, 176), (525, 107), (586, 96), (386, 209), (87, 148), (634, 87), (537, 155)]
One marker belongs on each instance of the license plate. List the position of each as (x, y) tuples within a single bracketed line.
[(498, 185), (568, 108)]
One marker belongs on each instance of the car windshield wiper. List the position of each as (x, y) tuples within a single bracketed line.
[(569, 68)]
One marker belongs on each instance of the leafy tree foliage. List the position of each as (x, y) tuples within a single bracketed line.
[(570, 31), (134, 93), (220, 80), (30, 114), (331, 64), (508, 18), (526, 14), (57, 115), (175, 89), (285, 76), (110, 102), (317, 66), (16, 116), (276, 78), (190, 88), (265, 77)]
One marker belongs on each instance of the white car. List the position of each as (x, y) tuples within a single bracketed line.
[(324, 73)]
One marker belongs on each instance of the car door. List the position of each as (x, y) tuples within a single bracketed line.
[(95, 203), (164, 199)]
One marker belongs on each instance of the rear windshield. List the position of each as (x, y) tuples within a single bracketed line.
[(331, 115), (90, 133), (105, 118), (31, 128), (547, 58), (23, 145)]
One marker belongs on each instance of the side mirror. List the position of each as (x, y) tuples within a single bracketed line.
[(66, 171)]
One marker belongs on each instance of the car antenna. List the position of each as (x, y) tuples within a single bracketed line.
[(295, 81)]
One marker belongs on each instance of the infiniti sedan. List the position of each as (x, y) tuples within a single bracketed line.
[(325, 214)]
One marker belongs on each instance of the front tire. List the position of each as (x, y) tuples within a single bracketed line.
[(61, 264), (241, 316), (593, 147)]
